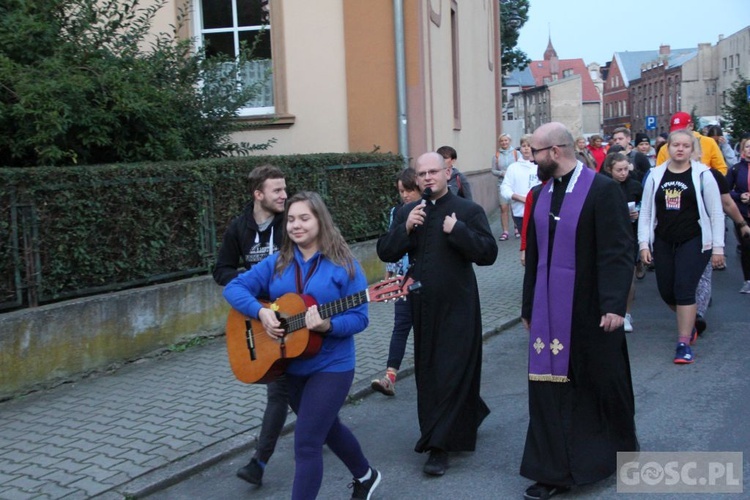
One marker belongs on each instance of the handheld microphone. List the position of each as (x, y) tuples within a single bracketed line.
[(426, 199)]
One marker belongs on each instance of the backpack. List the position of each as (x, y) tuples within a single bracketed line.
[(515, 156), (459, 187)]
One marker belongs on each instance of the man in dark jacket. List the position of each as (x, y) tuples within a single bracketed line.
[(256, 233), (458, 183), (251, 237), (641, 165)]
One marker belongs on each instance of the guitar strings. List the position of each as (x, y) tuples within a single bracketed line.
[(297, 321)]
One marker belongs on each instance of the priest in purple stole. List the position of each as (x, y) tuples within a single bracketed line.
[(579, 266)]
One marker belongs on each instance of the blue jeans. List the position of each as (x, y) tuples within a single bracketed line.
[(317, 399), (402, 323)]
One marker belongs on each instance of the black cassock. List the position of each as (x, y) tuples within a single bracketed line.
[(447, 317), (576, 428)]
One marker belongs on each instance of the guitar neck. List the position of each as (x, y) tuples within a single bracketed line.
[(343, 304), (297, 322)]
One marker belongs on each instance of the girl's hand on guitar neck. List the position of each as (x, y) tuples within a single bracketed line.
[(314, 322), (271, 323)]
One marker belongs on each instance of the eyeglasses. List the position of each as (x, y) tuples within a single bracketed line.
[(431, 173), (535, 151)]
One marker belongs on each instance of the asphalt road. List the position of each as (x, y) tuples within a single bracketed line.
[(698, 407)]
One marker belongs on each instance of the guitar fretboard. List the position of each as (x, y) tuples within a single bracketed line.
[(297, 322)]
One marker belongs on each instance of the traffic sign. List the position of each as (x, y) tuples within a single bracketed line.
[(650, 123)]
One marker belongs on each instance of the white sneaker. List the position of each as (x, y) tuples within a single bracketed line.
[(746, 287), (629, 322)]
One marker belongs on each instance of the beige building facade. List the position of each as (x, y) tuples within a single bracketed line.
[(333, 75), (732, 59), (566, 98), (700, 82), (559, 101)]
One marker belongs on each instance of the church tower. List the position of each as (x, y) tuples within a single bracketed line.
[(554, 63)]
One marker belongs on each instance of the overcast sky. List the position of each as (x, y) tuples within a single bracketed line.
[(593, 30)]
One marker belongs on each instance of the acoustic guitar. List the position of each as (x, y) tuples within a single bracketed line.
[(255, 357)]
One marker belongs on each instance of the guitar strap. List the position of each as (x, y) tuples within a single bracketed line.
[(298, 274)]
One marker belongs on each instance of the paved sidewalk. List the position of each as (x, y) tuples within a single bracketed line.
[(157, 420)]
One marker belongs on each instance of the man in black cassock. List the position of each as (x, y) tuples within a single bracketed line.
[(579, 265), (444, 236)]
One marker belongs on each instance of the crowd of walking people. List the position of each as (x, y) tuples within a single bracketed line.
[(576, 208)]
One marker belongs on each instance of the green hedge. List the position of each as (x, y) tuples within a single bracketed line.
[(74, 231)]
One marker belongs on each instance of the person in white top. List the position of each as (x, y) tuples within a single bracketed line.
[(501, 160), (519, 179)]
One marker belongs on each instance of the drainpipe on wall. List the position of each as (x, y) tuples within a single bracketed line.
[(398, 25)]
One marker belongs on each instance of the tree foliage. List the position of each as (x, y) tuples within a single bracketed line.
[(694, 117), (513, 15), (87, 82), (736, 111)]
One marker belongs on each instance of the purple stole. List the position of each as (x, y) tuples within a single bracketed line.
[(552, 313)]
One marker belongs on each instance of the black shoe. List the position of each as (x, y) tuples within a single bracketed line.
[(252, 472), (640, 270), (437, 463), (541, 491), (700, 324), (364, 489)]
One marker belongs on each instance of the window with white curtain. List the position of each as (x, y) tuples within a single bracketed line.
[(224, 27)]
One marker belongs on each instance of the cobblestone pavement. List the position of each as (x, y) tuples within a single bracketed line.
[(156, 420)]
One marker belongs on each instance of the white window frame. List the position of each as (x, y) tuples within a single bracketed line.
[(235, 30)]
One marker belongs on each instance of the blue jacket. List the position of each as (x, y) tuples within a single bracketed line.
[(400, 267), (737, 178), (329, 282)]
